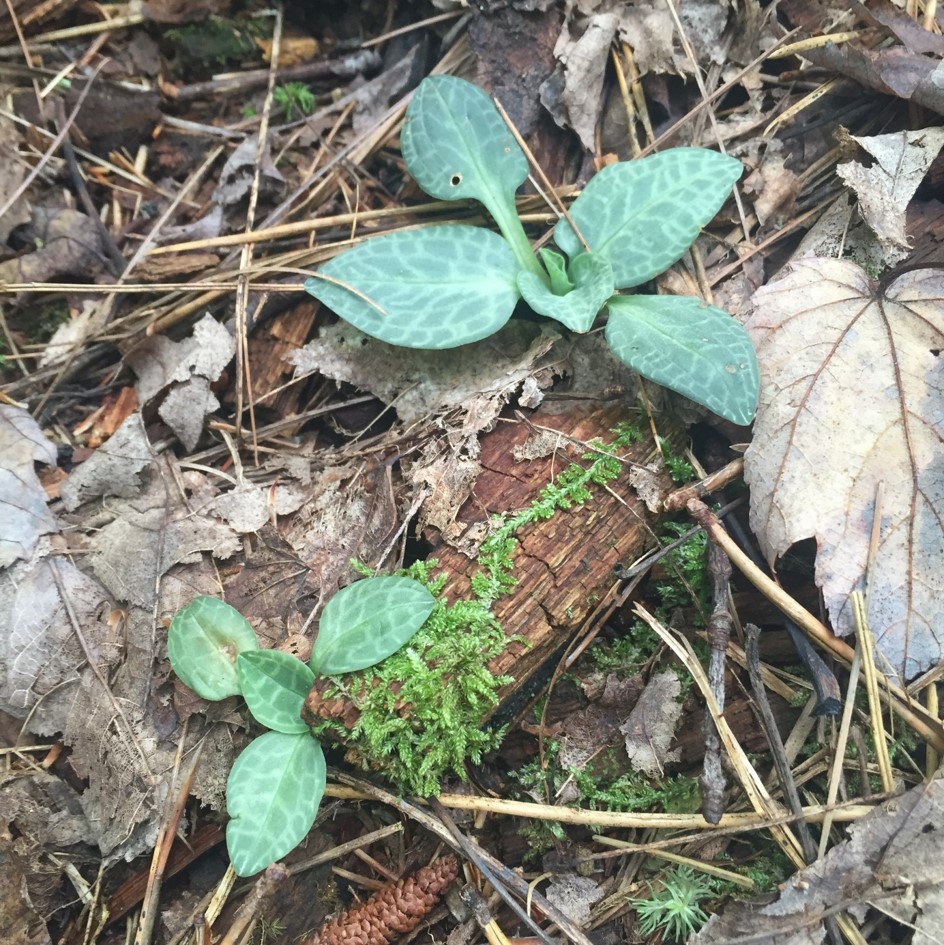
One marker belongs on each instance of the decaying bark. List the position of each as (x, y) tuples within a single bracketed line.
[(564, 565)]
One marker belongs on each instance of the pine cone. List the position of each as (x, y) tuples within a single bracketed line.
[(397, 908)]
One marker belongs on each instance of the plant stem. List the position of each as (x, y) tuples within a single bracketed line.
[(512, 229)]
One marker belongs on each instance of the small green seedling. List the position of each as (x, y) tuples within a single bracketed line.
[(275, 787), (445, 286), (676, 907), (294, 97)]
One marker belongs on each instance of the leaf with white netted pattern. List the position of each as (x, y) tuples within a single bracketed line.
[(642, 215), (438, 287), (272, 797), (367, 621), (693, 348)]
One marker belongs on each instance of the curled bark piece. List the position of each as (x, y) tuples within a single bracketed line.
[(392, 911)]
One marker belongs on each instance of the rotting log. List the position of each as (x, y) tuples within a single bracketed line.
[(563, 565)]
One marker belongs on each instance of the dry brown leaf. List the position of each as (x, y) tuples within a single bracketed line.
[(239, 172), (906, 29), (186, 369), (573, 94), (21, 923), (575, 896), (68, 242), (245, 508), (772, 186), (650, 728), (119, 723), (351, 514), (22, 499), (894, 857), (113, 469), (584, 735), (852, 400), (885, 187), (478, 379), (146, 540), (373, 98), (888, 70), (40, 650)]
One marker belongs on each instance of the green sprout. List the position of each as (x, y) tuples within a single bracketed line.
[(275, 787), (294, 97), (631, 222), (675, 908)]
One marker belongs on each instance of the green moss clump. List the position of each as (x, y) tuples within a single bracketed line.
[(571, 487), (442, 677), (422, 708), (692, 582), (625, 655)]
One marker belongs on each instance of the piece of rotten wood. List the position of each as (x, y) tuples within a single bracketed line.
[(564, 565)]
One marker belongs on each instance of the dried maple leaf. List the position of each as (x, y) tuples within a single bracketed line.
[(852, 403)]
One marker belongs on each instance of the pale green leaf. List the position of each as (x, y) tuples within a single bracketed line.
[(367, 621), (203, 642), (556, 266), (693, 348), (457, 147), (272, 796), (593, 285), (642, 215), (438, 287), (274, 685)]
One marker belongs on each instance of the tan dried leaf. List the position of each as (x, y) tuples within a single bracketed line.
[(115, 468), (475, 379), (894, 856), (885, 187), (650, 728), (22, 500), (185, 369), (42, 651), (852, 402)]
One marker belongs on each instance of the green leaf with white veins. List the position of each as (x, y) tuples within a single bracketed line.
[(272, 796), (438, 287), (642, 215), (367, 621), (203, 642), (688, 346), (458, 147), (593, 285), (274, 685)]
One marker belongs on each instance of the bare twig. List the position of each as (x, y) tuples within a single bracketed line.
[(435, 826), (470, 851), (774, 740), (719, 631), (916, 715)]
